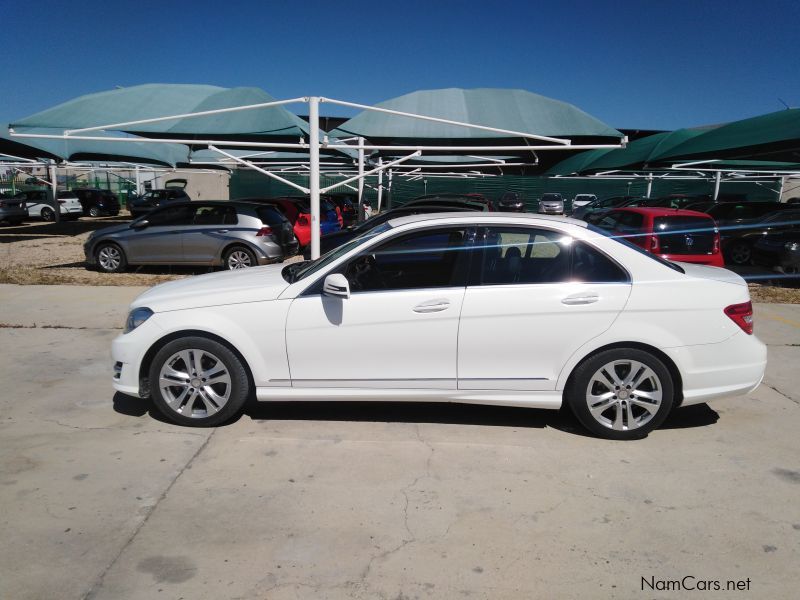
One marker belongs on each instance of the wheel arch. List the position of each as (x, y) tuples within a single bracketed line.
[(239, 243), (674, 372), (147, 359)]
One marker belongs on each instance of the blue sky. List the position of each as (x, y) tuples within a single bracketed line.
[(659, 65)]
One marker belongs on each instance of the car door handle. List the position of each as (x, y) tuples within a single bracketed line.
[(575, 300), (432, 306), (222, 231)]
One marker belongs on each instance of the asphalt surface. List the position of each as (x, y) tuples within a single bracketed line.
[(101, 499)]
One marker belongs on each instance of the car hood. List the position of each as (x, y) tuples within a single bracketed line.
[(715, 273), (255, 284), (110, 230)]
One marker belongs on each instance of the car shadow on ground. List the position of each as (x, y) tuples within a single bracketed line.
[(39, 229), (700, 415), (144, 269)]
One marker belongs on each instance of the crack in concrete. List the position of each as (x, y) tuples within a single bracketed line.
[(68, 327), (775, 389), (101, 578)]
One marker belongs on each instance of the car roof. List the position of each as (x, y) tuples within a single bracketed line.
[(486, 217), (660, 211)]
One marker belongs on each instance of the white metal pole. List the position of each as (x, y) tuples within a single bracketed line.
[(389, 192), (54, 187), (360, 178), (380, 184), (780, 189), (313, 182), (717, 179), (649, 185), (138, 181)]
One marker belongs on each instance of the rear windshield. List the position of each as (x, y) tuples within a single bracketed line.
[(551, 197), (633, 246), (684, 235), (269, 215)]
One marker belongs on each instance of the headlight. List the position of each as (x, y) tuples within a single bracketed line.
[(136, 317), (792, 246)]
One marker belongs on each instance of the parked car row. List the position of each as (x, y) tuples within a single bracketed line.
[(71, 205), (762, 233)]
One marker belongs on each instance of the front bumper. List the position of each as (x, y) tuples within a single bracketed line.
[(551, 210), (127, 352)]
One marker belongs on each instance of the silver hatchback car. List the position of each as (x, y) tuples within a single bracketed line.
[(234, 235), (551, 204)]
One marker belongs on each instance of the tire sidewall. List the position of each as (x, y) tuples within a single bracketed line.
[(240, 381), (575, 393), (47, 214)]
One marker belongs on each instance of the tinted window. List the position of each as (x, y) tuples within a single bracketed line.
[(214, 215), (427, 259), (592, 266), (174, 215), (270, 215), (523, 255), (684, 235), (641, 251)]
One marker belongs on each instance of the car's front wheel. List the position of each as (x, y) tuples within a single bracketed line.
[(740, 253), (198, 382), (94, 211), (48, 214), (621, 394), (110, 258)]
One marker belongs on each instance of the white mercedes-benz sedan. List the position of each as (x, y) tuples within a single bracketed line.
[(490, 308)]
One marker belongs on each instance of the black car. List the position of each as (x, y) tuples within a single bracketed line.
[(738, 240), (97, 203), (586, 211), (336, 239), (468, 201), (511, 202), (779, 251), (154, 198)]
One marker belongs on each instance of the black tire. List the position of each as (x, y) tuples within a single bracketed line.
[(94, 211), (239, 257), (739, 253), (48, 214), (576, 395), (104, 255), (239, 392)]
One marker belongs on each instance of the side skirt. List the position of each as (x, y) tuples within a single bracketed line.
[(549, 399)]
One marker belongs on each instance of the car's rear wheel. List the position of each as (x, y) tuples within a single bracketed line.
[(48, 214), (621, 394), (198, 382), (740, 253), (94, 211), (110, 258), (239, 257)]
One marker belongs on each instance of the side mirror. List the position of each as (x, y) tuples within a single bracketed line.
[(139, 224), (336, 285)]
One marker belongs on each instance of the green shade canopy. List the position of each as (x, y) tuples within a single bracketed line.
[(514, 110), (774, 136), (155, 100), (90, 150), (636, 155)]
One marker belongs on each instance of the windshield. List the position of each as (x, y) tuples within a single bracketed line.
[(632, 246), (293, 274)]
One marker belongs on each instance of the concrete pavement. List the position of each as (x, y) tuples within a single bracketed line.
[(99, 499)]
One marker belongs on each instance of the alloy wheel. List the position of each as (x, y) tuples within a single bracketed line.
[(624, 395), (109, 258), (195, 383), (740, 254), (239, 259)]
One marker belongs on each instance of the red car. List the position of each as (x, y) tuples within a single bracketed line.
[(673, 234), (298, 211)]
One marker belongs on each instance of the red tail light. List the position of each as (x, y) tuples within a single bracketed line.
[(264, 231), (715, 250), (2, 204), (654, 243), (302, 219), (742, 315)]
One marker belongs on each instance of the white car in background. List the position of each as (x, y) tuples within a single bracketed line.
[(582, 200), (489, 308), (41, 207)]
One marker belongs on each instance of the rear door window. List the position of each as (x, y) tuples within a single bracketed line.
[(511, 255), (171, 216), (214, 215)]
